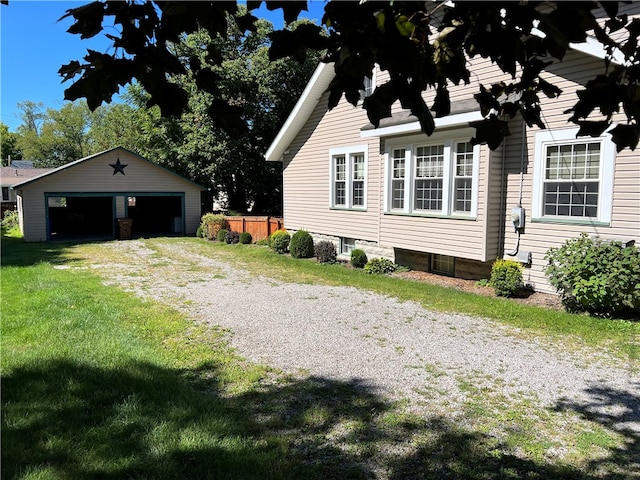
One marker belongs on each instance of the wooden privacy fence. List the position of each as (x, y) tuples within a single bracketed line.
[(259, 227)]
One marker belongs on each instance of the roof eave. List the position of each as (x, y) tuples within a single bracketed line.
[(307, 102)]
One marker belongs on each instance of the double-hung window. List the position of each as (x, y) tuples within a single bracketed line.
[(435, 178), (369, 85), (349, 177), (397, 178), (429, 178), (340, 181), (573, 177), (463, 178)]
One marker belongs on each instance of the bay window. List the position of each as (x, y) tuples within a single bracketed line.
[(439, 177)]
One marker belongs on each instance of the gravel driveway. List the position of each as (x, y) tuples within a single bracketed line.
[(400, 350)]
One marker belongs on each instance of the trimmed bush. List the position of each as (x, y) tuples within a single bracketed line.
[(325, 252), (301, 245), (595, 276), (279, 241), (506, 277), (379, 266), (222, 233), (10, 219), (212, 223), (358, 258), (232, 237), (245, 238)]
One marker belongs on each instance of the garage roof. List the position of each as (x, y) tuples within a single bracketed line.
[(85, 159)]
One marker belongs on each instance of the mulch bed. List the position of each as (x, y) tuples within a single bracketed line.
[(526, 296)]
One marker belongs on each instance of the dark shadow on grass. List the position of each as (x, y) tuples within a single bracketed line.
[(79, 421), (618, 411), (15, 252)]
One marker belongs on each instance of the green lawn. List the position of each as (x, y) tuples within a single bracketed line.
[(97, 383)]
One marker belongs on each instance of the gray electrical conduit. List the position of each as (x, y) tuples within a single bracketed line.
[(514, 252)]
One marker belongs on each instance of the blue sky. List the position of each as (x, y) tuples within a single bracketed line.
[(33, 46)]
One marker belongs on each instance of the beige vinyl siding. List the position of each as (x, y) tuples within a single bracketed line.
[(95, 175), (33, 217), (120, 206), (483, 72), (624, 226), (493, 200), (505, 175), (458, 237), (539, 236), (307, 188)]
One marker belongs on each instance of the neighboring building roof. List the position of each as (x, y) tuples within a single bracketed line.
[(85, 159), (21, 164), (322, 77), (10, 176)]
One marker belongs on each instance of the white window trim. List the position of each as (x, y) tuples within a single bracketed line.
[(410, 144), (607, 168), (346, 249), (348, 153), (363, 93)]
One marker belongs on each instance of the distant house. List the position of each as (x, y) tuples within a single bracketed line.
[(86, 198), (17, 172), (439, 203)]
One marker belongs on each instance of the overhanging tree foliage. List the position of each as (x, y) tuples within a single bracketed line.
[(192, 144), (423, 45)]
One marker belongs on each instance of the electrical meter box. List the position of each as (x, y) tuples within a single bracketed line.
[(517, 217)]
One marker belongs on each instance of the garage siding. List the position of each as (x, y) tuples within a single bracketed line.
[(95, 175)]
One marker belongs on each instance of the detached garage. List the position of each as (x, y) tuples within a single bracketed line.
[(100, 196)]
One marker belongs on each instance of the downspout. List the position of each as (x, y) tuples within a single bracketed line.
[(514, 252), (503, 203), (382, 187)]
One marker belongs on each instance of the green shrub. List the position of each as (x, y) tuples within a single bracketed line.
[(379, 266), (602, 278), (245, 238), (263, 242), (279, 241), (231, 237), (222, 233), (200, 231), (301, 245), (358, 258), (212, 223), (10, 219), (325, 252), (506, 277)]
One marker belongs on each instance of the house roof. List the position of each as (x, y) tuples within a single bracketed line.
[(303, 109), (323, 76), (10, 176), (90, 157)]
